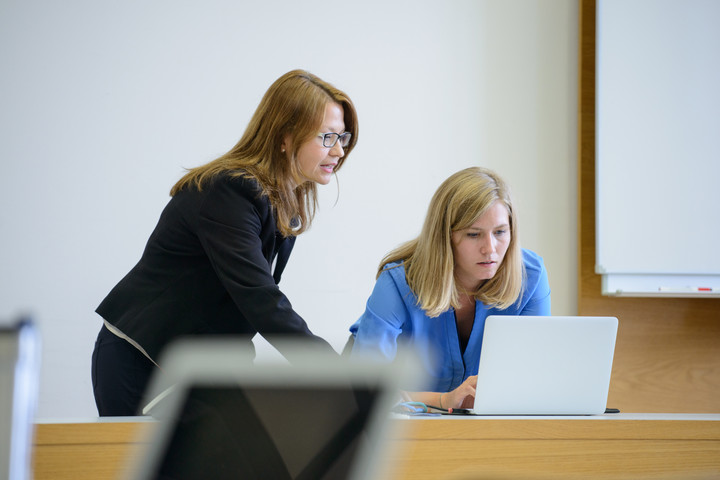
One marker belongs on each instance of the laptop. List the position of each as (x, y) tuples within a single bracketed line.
[(554, 365), (222, 417)]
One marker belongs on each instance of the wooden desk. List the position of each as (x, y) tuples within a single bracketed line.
[(624, 446), (95, 449), (620, 446)]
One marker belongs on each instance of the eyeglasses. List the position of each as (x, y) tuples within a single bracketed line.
[(330, 139)]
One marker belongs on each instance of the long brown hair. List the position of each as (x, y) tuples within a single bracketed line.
[(428, 259), (293, 105)]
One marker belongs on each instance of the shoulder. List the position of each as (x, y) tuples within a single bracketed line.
[(236, 180), (392, 279), (391, 299), (395, 273), (232, 199), (534, 264), (536, 276), (535, 272), (234, 187), (536, 297)]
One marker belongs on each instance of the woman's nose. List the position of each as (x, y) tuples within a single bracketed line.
[(487, 245), (337, 149)]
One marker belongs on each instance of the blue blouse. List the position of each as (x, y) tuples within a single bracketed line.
[(393, 317)]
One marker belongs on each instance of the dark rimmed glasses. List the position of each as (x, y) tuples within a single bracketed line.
[(330, 139)]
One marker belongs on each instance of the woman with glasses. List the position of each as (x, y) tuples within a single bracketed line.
[(433, 293), (207, 268)]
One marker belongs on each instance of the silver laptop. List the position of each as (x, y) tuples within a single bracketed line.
[(221, 417), (556, 365)]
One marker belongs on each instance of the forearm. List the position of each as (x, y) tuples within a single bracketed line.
[(435, 399), (461, 397)]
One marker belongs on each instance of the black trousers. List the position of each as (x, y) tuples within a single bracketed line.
[(120, 374)]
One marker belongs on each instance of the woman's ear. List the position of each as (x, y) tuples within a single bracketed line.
[(286, 144)]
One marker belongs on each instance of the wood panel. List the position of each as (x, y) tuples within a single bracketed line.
[(667, 357), (603, 447), (540, 459), (622, 447), (86, 451)]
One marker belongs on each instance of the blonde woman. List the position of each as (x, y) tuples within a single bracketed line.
[(207, 267), (433, 293)]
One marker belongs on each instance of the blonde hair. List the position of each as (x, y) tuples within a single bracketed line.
[(428, 259), (293, 105)]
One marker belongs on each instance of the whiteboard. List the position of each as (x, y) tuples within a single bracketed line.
[(658, 147)]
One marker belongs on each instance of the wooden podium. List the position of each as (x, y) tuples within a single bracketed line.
[(621, 446)]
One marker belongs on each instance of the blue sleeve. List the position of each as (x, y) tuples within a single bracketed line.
[(377, 330), (537, 287)]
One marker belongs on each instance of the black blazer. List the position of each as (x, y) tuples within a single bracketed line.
[(206, 270)]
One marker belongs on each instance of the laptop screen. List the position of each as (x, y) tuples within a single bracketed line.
[(221, 416), (259, 433)]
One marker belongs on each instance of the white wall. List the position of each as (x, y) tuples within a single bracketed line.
[(102, 104)]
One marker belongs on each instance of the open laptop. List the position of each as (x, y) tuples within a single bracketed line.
[(555, 365), (222, 417)]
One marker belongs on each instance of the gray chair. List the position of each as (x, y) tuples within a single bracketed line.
[(19, 376)]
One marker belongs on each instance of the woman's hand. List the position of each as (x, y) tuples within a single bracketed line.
[(462, 397)]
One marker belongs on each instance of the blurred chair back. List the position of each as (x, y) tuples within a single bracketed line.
[(19, 376)]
